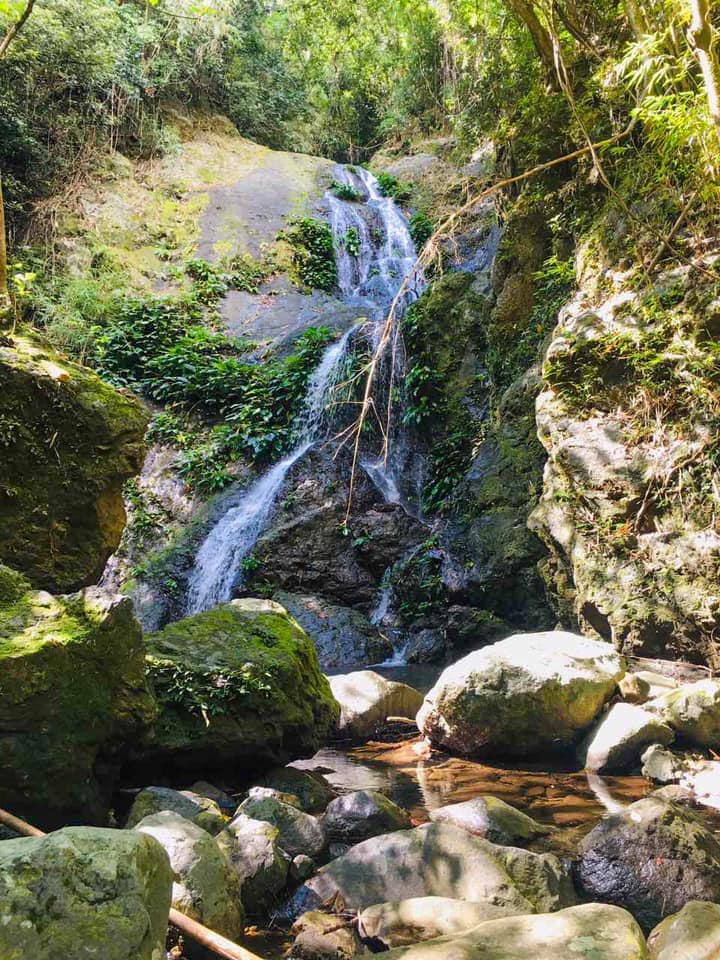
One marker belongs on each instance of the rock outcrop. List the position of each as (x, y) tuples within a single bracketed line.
[(241, 681), (84, 891), (529, 693), (73, 695), (69, 442)]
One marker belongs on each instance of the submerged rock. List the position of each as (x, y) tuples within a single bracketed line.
[(205, 888), (241, 681), (343, 637), (617, 740), (531, 692), (200, 810), (84, 892), (491, 818), (358, 816), (72, 695), (70, 442), (652, 858), (691, 934), (253, 849), (693, 710), (589, 932), (366, 701), (440, 860), (298, 831), (404, 922)]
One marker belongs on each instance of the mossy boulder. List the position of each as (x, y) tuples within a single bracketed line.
[(84, 892), (69, 443), (72, 693), (239, 682)]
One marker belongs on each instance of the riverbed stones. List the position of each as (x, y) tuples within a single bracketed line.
[(662, 765), (73, 694), (298, 831), (634, 688), (438, 859), (691, 934), (200, 810), (693, 710), (205, 888), (652, 858), (252, 692), (84, 892), (325, 936), (491, 818), (366, 701), (404, 922), (358, 816), (619, 737), (592, 931), (253, 850), (312, 789), (531, 692)]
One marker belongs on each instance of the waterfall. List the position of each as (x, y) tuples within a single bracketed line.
[(372, 278)]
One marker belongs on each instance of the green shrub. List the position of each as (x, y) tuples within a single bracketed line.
[(390, 186), (345, 191), (421, 229), (313, 252)]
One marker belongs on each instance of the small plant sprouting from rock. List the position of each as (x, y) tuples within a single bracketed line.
[(346, 191), (352, 242)]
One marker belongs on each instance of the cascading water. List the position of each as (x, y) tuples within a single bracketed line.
[(385, 255)]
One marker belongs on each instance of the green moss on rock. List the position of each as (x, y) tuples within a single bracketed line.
[(69, 442), (241, 681)]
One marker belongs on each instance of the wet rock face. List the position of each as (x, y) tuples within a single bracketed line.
[(529, 693), (73, 695), (652, 858), (71, 442), (107, 891), (255, 672), (342, 636)]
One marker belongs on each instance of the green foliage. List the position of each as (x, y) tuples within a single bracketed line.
[(390, 186), (421, 229), (206, 693), (346, 191), (352, 242), (417, 582), (313, 252)]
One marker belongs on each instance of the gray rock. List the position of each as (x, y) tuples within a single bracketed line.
[(84, 892), (254, 853), (312, 789), (491, 818), (226, 803), (634, 688), (619, 737), (301, 868), (427, 646), (366, 701), (658, 683), (200, 810), (531, 692), (358, 816), (264, 793), (404, 922), (342, 636), (693, 710), (441, 860), (653, 858), (662, 765), (298, 831), (589, 932), (206, 888), (325, 936), (691, 934)]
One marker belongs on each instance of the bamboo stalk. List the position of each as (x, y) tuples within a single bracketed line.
[(219, 945)]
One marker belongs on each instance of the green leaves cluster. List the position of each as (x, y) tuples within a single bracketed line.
[(205, 693), (313, 252)]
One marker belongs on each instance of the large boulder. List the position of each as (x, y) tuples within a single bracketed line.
[(200, 810), (72, 694), (403, 922), (84, 892), (69, 443), (358, 816), (298, 831), (618, 739), (438, 860), (529, 693), (691, 934), (252, 847), (589, 932), (492, 818), (343, 637), (240, 682), (693, 710), (366, 701), (205, 888), (652, 858)]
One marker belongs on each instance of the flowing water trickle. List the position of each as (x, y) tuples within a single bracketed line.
[(385, 255)]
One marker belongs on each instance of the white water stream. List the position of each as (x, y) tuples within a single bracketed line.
[(372, 278)]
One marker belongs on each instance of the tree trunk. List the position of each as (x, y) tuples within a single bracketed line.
[(16, 28), (700, 36), (525, 10)]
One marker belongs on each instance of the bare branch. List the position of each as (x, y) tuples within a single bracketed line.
[(16, 28)]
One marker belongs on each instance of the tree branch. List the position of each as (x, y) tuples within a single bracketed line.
[(15, 28)]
